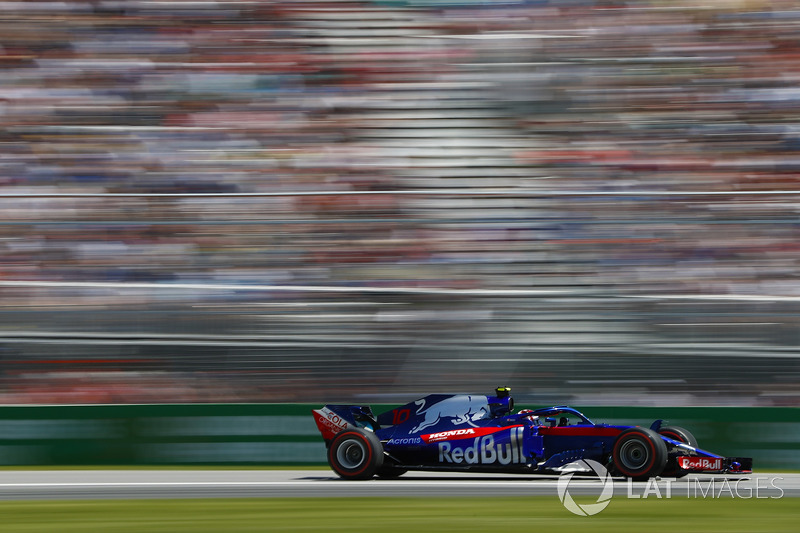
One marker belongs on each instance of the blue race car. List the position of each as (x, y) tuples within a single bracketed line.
[(466, 432)]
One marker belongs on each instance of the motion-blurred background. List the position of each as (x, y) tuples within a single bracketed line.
[(593, 202)]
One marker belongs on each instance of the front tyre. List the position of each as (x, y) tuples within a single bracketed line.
[(681, 435), (639, 453), (355, 454)]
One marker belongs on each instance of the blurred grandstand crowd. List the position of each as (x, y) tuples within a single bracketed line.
[(590, 201)]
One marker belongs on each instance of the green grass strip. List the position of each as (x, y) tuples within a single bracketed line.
[(390, 515)]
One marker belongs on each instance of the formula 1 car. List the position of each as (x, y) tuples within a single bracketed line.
[(465, 432)]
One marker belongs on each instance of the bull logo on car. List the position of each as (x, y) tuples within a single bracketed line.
[(461, 409)]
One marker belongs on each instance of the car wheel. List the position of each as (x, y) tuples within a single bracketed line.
[(355, 454), (639, 453), (681, 435)]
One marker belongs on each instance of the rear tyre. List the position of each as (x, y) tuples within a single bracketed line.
[(355, 454), (681, 435), (639, 453)]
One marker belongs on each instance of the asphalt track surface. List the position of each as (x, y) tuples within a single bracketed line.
[(138, 484)]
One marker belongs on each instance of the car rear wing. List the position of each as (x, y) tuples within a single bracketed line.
[(333, 419)]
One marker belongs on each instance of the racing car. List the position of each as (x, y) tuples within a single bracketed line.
[(478, 433)]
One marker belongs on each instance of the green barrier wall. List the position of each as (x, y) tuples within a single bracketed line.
[(274, 434)]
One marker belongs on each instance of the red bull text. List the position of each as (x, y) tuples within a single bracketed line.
[(485, 450)]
